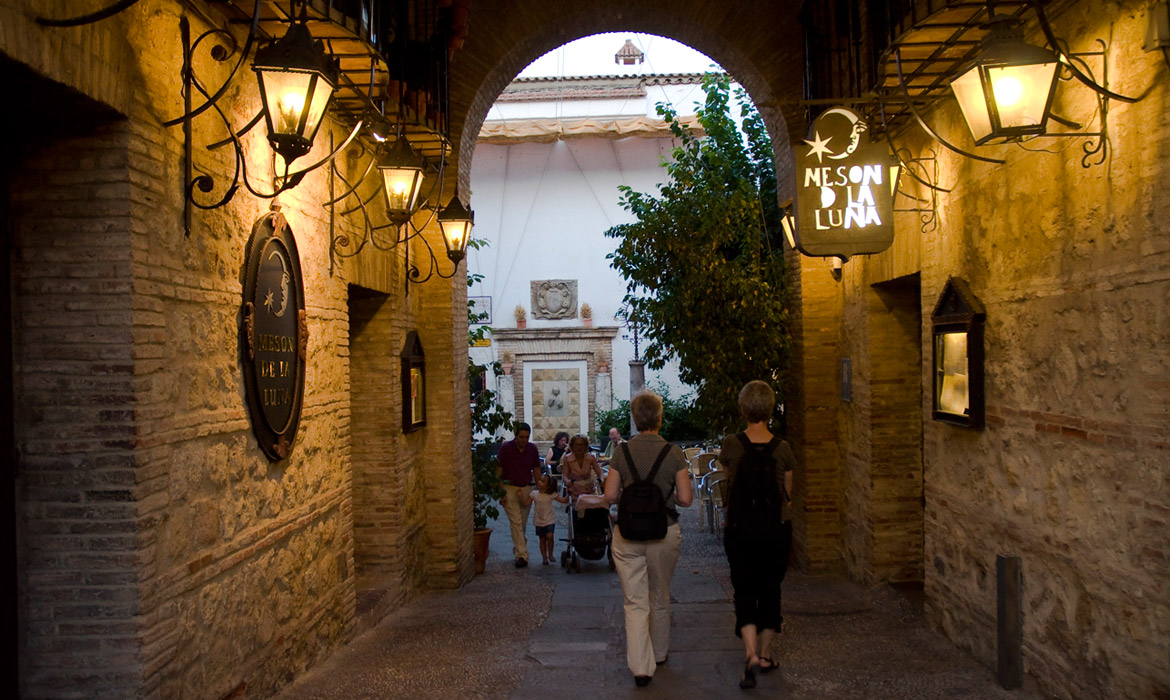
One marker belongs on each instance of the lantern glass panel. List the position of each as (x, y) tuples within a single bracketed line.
[(401, 186), (1021, 93), (285, 95), (455, 235), (968, 89)]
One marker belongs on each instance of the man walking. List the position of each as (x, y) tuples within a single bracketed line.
[(519, 470)]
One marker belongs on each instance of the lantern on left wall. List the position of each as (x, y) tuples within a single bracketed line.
[(297, 79)]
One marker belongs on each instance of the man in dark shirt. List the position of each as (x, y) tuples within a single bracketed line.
[(519, 470)]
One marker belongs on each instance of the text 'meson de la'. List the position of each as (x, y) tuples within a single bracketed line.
[(844, 188)]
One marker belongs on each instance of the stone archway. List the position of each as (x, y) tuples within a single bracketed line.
[(758, 43)]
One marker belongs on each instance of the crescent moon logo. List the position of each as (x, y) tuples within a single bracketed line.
[(285, 282), (856, 127)]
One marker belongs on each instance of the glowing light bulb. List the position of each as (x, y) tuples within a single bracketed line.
[(291, 104), (1008, 91)]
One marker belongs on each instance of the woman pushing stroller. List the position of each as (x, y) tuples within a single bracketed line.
[(580, 468)]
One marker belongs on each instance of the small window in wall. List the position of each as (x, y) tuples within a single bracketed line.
[(958, 356), (414, 384)]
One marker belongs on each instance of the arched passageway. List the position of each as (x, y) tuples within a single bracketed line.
[(758, 43)]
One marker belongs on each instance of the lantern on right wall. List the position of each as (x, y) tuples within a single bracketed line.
[(957, 330), (1006, 92)]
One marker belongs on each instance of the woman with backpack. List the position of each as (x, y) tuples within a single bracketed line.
[(758, 535), (647, 478)]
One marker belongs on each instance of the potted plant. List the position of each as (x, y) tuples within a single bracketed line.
[(487, 416), (507, 360), (486, 493), (587, 315), (521, 316)]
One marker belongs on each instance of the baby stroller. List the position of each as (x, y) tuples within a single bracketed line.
[(590, 535)]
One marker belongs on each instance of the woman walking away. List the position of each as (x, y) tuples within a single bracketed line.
[(647, 478), (758, 536)]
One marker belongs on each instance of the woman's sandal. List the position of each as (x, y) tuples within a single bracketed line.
[(771, 665), (749, 675)]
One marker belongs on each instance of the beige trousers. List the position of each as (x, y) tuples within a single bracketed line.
[(645, 570), (518, 518)]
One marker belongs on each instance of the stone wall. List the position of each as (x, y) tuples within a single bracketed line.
[(1073, 266), (162, 554)]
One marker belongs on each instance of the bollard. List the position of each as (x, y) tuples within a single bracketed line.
[(1009, 622)]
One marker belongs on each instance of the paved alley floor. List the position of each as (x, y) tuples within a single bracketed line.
[(541, 633)]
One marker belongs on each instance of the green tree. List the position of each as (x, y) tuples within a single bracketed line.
[(703, 264), (487, 416)]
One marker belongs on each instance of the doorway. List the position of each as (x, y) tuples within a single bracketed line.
[(897, 507)]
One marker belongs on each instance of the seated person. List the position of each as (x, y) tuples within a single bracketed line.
[(615, 441), (579, 467), (552, 459)]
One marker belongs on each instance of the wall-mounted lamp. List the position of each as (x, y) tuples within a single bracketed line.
[(788, 223), (402, 178), (456, 222), (296, 81), (837, 263), (1006, 92)]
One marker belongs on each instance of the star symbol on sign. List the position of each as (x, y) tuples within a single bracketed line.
[(269, 301), (819, 146)]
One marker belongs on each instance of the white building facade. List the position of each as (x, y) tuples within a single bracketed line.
[(548, 165)]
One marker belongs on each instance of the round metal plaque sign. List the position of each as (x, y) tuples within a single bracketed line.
[(274, 335)]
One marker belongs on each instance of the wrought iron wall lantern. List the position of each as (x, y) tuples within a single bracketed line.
[(1006, 91), (402, 179), (456, 222), (297, 80), (407, 212)]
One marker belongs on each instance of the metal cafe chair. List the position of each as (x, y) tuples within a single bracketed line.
[(698, 466), (706, 486)]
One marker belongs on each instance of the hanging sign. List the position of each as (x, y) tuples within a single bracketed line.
[(844, 189), (273, 334)]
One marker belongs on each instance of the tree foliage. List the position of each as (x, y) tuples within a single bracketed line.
[(680, 422), (703, 263), (487, 416)]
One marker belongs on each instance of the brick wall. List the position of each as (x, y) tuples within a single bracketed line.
[(1072, 267), (162, 554), (813, 420), (389, 518), (895, 424), (73, 387)]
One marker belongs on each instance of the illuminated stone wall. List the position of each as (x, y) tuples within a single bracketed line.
[(161, 553), (1073, 266)]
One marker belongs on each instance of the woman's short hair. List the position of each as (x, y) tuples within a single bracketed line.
[(646, 409), (561, 434), (756, 401), (578, 438)]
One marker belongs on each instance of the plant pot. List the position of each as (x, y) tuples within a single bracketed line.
[(482, 538), (588, 322), (521, 323)]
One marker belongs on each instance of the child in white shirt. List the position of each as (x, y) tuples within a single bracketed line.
[(544, 515)]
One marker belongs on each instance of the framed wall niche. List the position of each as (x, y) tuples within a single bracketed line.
[(414, 384), (957, 366)]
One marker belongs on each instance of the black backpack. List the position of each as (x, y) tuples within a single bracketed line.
[(642, 506), (755, 502)]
